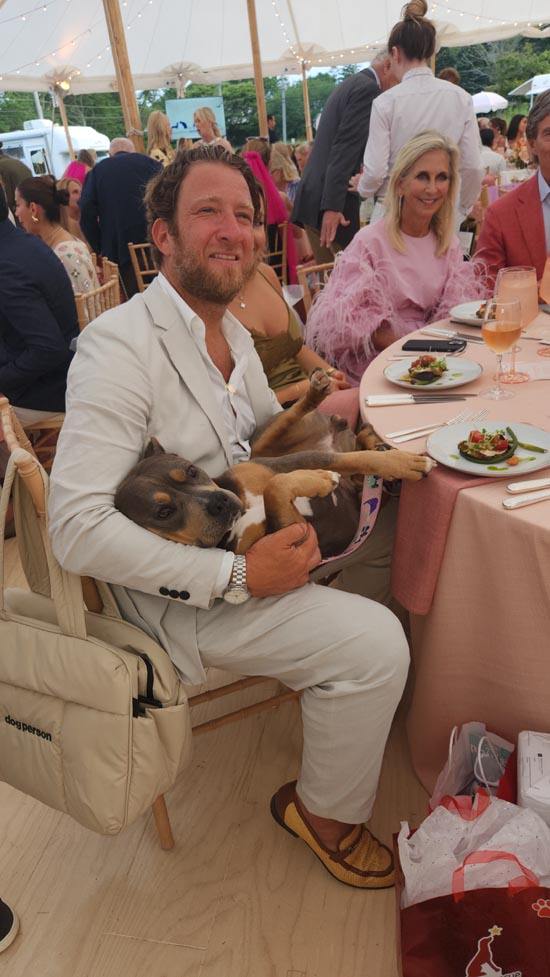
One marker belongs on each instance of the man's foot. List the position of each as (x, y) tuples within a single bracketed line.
[(358, 859), (9, 925)]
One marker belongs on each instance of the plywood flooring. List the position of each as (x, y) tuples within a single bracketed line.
[(237, 897)]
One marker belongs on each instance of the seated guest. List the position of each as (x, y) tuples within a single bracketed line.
[(277, 212), (516, 228), (192, 379), (517, 132), (276, 332), (79, 168), (492, 162), (159, 138), (402, 272), (37, 323), (39, 203), (302, 154), (284, 173)]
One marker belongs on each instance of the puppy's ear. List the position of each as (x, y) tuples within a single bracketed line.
[(154, 448)]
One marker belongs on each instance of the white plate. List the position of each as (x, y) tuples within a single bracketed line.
[(442, 445), (459, 371), (466, 313)]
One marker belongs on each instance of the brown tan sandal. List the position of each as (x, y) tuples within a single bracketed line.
[(360, 861)]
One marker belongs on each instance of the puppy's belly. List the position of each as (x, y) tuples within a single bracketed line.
[(254, 516)]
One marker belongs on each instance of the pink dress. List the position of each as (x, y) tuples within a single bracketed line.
[(373, 284)]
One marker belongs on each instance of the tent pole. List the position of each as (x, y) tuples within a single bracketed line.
[(307, 110), (257, 61), (125, 81), (63, 114)]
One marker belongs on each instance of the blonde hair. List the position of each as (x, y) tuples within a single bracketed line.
[(156, 131), (205, 114), (442, 223), (281, 162)]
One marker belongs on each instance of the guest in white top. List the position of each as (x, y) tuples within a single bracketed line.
[(491, 161), (419, 103)]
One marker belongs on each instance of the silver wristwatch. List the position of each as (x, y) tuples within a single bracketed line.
[(236, 592)]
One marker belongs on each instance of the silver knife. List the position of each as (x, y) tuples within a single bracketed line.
[(528, 499), (451, 334)]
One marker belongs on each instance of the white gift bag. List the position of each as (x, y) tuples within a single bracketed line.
[(477, 758)]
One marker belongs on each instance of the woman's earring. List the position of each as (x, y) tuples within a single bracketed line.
[(34, 218)]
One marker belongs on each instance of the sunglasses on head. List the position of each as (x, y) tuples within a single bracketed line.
[(261, 138)]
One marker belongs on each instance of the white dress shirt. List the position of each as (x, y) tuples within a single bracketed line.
[(544, 191), (422, 102), (232, 397)]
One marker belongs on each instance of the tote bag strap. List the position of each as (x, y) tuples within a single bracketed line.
[(66, 589), (523, 881)]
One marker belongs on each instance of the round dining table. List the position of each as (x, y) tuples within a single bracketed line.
[(474, 576)]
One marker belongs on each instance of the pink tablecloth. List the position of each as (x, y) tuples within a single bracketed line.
[(483, 650)]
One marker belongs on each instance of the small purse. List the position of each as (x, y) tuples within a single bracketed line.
[(93, 718)]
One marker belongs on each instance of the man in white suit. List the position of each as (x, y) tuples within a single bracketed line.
[(175, 364)]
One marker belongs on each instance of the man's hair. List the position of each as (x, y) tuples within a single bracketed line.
[(414, 34), (450, 74), (4, 213), (271, 116), (161, 194), (442, 223), (540, 110), (121, 145), (260, 145), (487, 137), (498, 124)]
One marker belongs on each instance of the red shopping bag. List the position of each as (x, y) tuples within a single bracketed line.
[(501, 932)]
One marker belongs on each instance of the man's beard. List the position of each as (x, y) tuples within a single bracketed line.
[(202, 283)]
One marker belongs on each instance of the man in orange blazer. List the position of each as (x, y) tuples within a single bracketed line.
[(516, 229)]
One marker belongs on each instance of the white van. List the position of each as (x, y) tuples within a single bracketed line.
[(43, 145)]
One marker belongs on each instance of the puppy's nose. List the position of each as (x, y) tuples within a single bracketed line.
[(217, 504)]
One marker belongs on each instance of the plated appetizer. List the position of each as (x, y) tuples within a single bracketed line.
[(487, 447), (426, 369)]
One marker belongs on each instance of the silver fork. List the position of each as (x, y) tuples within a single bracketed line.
[(429, 429), (412, 430)]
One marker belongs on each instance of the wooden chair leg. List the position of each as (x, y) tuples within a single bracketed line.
[(162, 822)]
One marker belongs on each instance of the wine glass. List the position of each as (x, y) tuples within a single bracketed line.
[(518, 284), (500, 330)]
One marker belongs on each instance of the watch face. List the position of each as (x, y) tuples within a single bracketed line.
[(236, 596)]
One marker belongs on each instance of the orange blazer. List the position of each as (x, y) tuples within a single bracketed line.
[(513, 231)]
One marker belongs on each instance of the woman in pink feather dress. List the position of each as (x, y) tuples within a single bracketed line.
[(402, 272)]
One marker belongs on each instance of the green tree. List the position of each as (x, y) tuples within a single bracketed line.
[(473, 63)]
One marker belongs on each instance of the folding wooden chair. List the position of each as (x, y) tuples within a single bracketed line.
[(89, 305), (277, 255), (313, 279), (16, 439), (110, 271), (143, 264)]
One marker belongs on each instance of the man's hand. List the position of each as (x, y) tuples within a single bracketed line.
[(354, 180), (282, 561), (332, 220), (339, 380)]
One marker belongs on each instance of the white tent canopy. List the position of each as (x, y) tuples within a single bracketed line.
[(172, 41)]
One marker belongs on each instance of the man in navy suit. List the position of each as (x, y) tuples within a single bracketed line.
[(112, 206), (38, 320), (324, 205)]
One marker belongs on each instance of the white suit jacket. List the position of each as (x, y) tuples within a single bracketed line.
[(138, 373)]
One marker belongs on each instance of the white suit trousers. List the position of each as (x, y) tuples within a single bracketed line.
[(349, 655)]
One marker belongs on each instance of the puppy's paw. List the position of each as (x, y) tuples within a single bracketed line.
[(320, 386), (403, 464), (367, 438)]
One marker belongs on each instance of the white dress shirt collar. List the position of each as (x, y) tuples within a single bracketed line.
[(544, 191), (414, 72)]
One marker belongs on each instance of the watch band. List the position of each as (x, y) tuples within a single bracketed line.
[(238, 574)]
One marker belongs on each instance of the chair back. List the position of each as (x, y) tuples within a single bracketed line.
[(90, 305), (277, 255), (142, 262), (110, 271), (313, 279)]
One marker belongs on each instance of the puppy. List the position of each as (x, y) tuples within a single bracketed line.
[(301, 469)]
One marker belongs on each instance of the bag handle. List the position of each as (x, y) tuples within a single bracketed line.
[(66, 588), (524, 881), (469, 808)]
